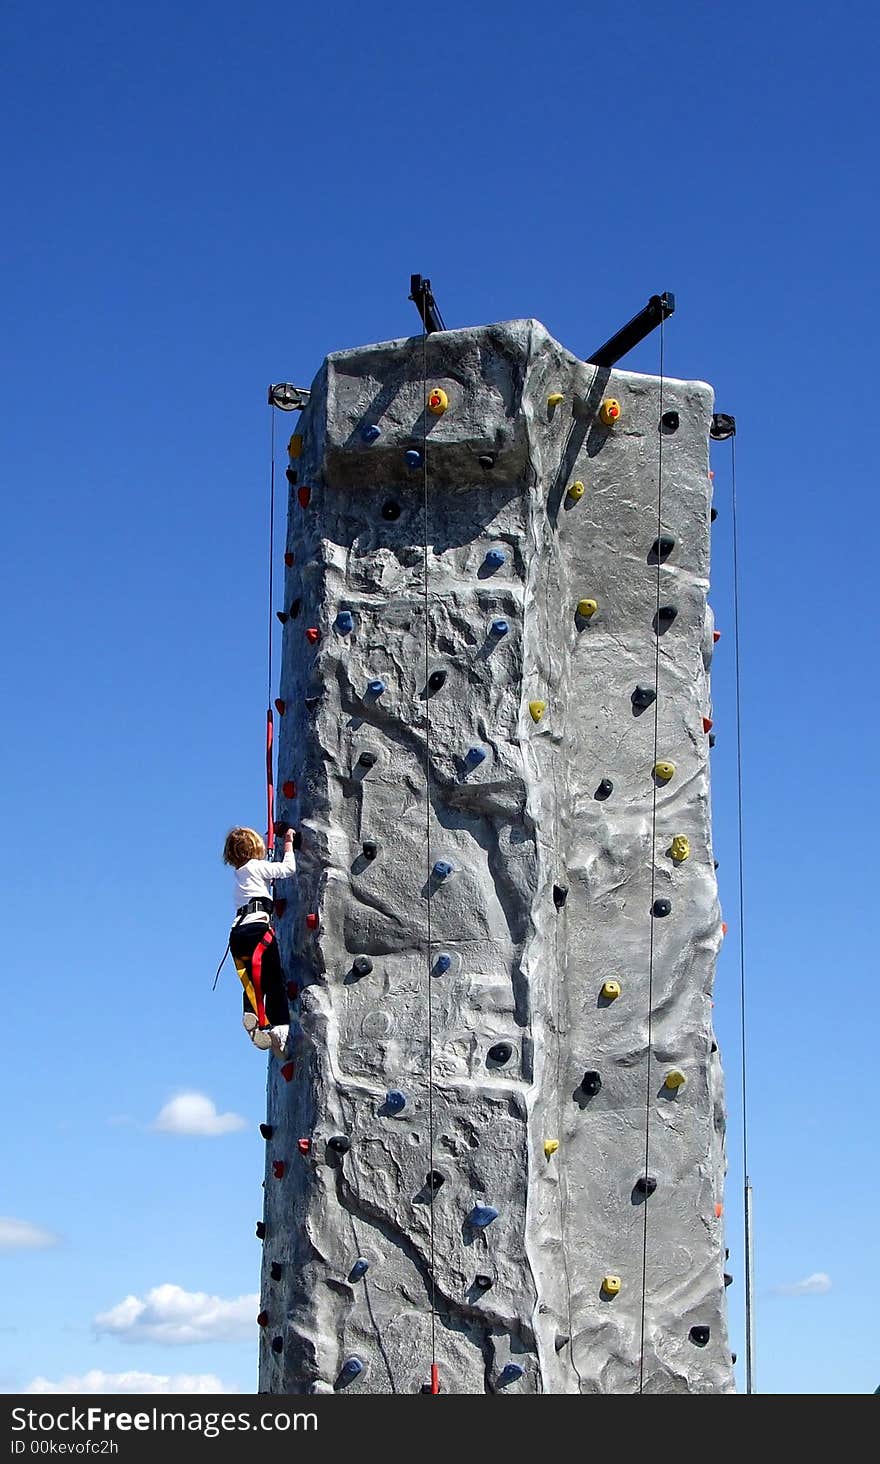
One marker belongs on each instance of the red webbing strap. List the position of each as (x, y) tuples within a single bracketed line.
[(435, 1378), (270, 786), (256, 975)]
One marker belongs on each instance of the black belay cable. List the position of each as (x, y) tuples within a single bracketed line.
[(431, 1187), (656, 624)]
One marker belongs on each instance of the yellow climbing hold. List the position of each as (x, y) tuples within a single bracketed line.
[(664, 771), (610, 990), (609, 412), (550, 1147), (554, 399), (611, 1285), (537, 709), (576, 490), (295, 445), (438, 401), (674, 1079), (587, 608), (680, 848)]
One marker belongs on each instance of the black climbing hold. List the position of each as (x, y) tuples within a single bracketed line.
[(501, 1052), (733, 1357), (562, 1340), (714, 863), (312, 702), (391, 509), (261, 1230), (605, 789), (482, 1281), (370, 848), (290, 475), (277, 1344), (646, 1184), (713, 514), (669, 422), (664, 618), (728, 1279), (711, 739), (591, 1082), (714, 1047), (433, 1180), (275, 1270), (723, 426), (662, 907), (699, 1336), (361, 965), (266, 1130), (662, 547), (295, 608), (339, 1143), (368, 759), (436, 680), (486, 460), (643, 696), (297, 839), (559, 896)]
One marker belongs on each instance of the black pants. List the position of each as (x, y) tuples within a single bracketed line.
[(254, 950)]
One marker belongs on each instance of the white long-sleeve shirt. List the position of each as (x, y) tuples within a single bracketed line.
[(255, 879)]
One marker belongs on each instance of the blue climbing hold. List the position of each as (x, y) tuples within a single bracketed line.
[(351, 1368), (413, 459), (395, 1100), (345, 621), (443, 962), (482, 1215), (376, 688), (499, 628), (370, 433), (359, 1269), (510, 1372), (474, 756), (495, 558), (442, 869)]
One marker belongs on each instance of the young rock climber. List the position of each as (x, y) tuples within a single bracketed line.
[(252, 941)]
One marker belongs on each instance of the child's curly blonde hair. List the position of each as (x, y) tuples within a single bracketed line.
[(242, 845)]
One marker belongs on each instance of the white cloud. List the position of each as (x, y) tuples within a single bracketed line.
[(96, 1381), (174, 1316), (815, 1285), (22, 1235), (195, 1113)]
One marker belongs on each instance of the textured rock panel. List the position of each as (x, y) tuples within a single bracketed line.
[(489, 954)]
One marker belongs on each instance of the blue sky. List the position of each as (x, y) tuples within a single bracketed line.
[(202, 199)]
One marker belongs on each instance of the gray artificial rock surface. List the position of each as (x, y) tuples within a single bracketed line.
[(525, 968)]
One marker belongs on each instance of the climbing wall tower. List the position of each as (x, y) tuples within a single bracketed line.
[(498, 1143)]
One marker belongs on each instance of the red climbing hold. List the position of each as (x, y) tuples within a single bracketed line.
[(716, 636), (279, 907), (280, 706), (304, 494), (292, 991), (287, 1071), (304, 1146), (311, 922), (278, 1168), (724, 927), (289, 788), (312, 634), (708, 724), (262, 1319), (288, 559), (719, 1211)]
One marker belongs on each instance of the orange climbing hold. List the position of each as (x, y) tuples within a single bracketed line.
[(295, 445), (724, 927), (278, 1168), (719, 1210), (304, 495)]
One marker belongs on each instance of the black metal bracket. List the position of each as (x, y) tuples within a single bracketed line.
[(288, 398), (723, 426), (658, 308), (422, 296)]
